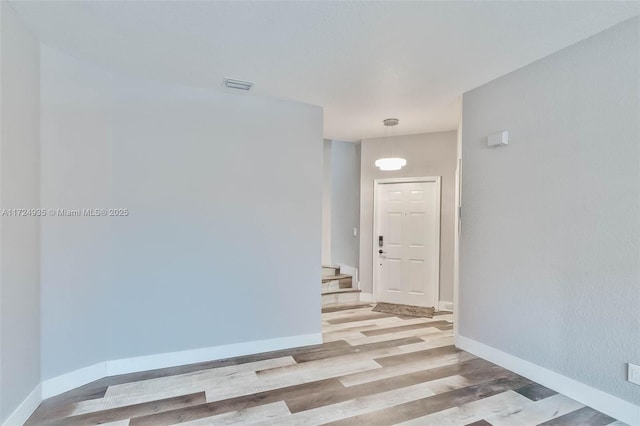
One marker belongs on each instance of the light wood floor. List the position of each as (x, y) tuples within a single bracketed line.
[(373, 369)]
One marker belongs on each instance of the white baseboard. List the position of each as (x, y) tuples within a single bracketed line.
[(366, 297), (82, 376), (445, 305), (172, 359), (601, 401), (25, 409)]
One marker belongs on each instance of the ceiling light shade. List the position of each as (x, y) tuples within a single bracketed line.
[(390, 163), (393, 163)]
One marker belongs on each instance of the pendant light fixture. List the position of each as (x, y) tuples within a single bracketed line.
[(391, 163)]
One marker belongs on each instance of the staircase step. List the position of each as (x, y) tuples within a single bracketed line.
[(342, 290), (334, 277), (341, 297), (330, 286), (330, 270), (345, 283), (336, 284)]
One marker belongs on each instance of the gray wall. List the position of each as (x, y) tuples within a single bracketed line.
[(222, 244), (19, 236), (550, 242), (427, 154), (345, 203)]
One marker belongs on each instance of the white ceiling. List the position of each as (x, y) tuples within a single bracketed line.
[(361, 61)]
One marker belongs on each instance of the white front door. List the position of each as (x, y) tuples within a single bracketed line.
[(407, 241)]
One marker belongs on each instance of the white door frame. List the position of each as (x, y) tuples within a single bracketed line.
[(377, 183)]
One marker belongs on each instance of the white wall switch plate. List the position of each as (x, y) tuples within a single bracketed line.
[(633, 373)]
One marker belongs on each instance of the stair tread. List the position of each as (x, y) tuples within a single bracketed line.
[(342, 290), (334, 277)]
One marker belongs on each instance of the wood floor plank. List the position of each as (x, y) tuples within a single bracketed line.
[(341, 335), (536, 392), (424, 406), (362, 405), (425, 356), (323, 352), (535, 413), (384, 350), (351, 330), (344, 314), (339, 366), (193, 380), (311, 389), (479, 423), (421, 332), (447, 384), (473, 412), (371, 324), (353, 407), (303, 402), (404, 344), (400, 328), (301, 358), (422, 345), (412, 367), (270, 380), (167, 387), (127, 412), (585, 416), (124, 422), (438, 339), (361, 317), (350, 326), (341, 362), (63, 405), (246, 416)]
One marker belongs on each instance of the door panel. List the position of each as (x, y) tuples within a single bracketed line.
[(394, 275), (394, 229), (416, 277), (416, 222), (408, 218)]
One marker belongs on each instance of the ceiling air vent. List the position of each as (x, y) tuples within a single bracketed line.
[(237, 84)]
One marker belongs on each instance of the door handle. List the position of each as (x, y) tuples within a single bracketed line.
[(380, 251)]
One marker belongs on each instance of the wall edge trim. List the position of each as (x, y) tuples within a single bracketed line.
[(73, 379), (611, 405)]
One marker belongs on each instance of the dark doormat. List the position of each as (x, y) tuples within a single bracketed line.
[(407, 310)]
